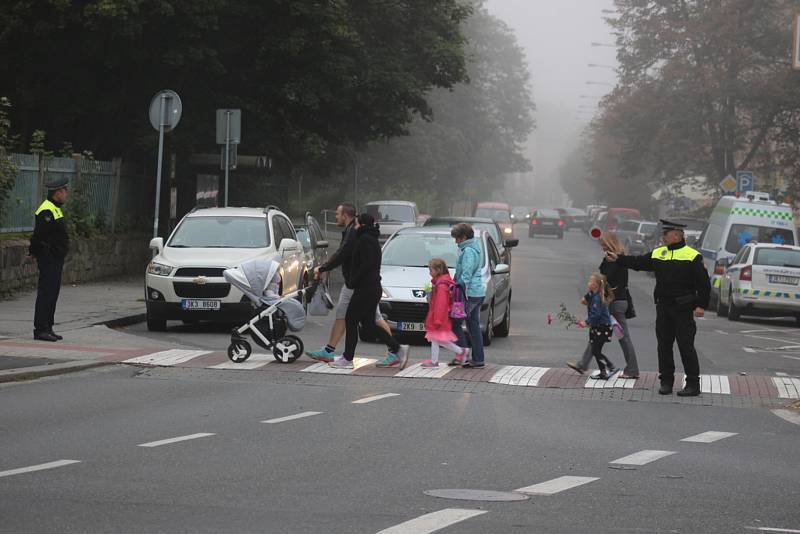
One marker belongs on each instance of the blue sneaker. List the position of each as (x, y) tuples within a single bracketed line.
[(391, 360), (322, 355)]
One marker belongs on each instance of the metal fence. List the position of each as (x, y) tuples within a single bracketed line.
[(110, 192)]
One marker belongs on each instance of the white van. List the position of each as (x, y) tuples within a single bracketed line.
[(738, 221)]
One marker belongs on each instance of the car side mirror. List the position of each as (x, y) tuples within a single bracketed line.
[(288, 245), (501, 268), (157, 243), (511, 243), (322, 244)]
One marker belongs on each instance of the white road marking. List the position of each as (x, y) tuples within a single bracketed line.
[(750, 350), (324, 368), (771, 339), (253, 362), (175, 440), (366, 400), (768, 529), (519, 375), (778, 373), (642, 457), (168, 357), (709, 437), (788, 388), (762, 330), (417, 371), (291, 417), (557, 485), (788, 415), (433, 521), (721, 332), (614, 381), (713, 384), (40, 467)]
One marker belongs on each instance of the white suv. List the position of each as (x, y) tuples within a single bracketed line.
[(184, 280)]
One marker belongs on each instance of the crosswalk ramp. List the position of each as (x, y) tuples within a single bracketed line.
[(517, 375), (788, 388), (167, 357), (714, 384)]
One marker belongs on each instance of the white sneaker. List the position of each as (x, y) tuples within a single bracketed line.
[(341, 363), (403, 355)]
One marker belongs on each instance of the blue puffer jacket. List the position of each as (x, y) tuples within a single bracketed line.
[(468, 268), (598, 312)]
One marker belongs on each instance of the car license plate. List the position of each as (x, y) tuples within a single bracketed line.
[(546, 223), (198, 304), (411, 327), (786, 280)]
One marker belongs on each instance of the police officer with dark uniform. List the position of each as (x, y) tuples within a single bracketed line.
[(681, 294), (49, 244)]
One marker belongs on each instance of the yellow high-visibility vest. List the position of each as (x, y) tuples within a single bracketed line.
[(47, 205), (684, 253)]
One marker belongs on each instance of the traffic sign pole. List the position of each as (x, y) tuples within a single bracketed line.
[(227, 152), (160, 161), (165, 113)]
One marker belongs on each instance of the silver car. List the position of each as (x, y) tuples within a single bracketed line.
[(405, 274)]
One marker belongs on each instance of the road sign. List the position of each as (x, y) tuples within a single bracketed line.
[(234, 135), (729, 184), (170, 114), (796, 43), (744, 181)]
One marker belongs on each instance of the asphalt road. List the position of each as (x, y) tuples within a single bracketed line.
[(547, 272)]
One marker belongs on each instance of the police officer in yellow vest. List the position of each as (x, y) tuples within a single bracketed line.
[(681, 294), (49, 244)]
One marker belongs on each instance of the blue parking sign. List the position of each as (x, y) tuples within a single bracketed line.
[(744, 181)]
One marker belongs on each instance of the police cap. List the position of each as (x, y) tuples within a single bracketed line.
[(667, 226), (58, 183)]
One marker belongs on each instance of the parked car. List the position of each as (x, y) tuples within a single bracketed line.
[(504, 246), (546, 222), (573, 217), (762, 279), (499, 212), (392, 215), (404, 273), (634, 234), (315, 246), (520, 214), (184, 280)]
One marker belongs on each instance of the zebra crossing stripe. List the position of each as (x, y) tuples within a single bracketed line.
[(557, 485), (788, 388), (253, 362), (434, 521), (417, 371), (518, 375), (642, 457), (713, 384), (324, 368), (613, 382), (40, 467), (168, 357), (709, 437)]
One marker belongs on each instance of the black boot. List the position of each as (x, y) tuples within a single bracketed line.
[(665, 389), (44, 336), (692, 389)]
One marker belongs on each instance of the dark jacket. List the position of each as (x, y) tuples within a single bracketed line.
[(344, 254), (617, 276), (597, 312), (50, 237), (681, 277), (365, 271)]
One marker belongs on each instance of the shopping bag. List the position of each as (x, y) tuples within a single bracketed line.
[(321, 302), (458, 306)]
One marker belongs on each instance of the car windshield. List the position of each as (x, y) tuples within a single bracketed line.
[(493, 214), (548, 214), (777, 257), (741, 234), (416, 250), (576, 212), (520, 211), (391, 213), (221, 232)]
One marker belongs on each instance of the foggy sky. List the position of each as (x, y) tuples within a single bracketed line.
[(556, 37)]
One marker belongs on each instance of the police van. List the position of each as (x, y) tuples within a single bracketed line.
[(737, 221)]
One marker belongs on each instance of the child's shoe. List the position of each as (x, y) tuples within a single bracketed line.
[(430, 364), (461, 359), (602, 375)]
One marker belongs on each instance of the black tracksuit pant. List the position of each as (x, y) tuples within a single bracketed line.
[(362, 310), (676, 323), (50, 269)]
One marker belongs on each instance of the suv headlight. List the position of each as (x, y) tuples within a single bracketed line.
[(159, 269)]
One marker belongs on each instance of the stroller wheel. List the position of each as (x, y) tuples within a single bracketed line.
[(287, 349), (239, 350)]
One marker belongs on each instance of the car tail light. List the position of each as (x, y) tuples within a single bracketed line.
[(719, 269), (534, 221), (747, 274), (561, 222)]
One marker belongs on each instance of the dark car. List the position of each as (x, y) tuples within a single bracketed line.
[(546, 222), (573, 217), (504, 246)]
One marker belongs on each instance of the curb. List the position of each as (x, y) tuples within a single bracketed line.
[(119, 322), (39, 371)]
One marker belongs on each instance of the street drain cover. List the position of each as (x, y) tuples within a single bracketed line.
[(476, 495)]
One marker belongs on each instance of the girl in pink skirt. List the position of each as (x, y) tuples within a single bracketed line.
[(438, 327)]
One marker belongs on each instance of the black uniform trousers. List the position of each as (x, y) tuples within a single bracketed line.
[(47, 292), (676, 323), (362, 311)]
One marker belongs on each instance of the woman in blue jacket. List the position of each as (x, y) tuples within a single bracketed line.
[(468, 275)]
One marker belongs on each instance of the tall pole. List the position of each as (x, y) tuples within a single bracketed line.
[(160, 161), (227, 151)]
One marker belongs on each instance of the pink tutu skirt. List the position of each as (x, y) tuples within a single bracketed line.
[(441, 336)]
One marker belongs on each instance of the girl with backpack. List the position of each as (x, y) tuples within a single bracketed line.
[(438, 326)]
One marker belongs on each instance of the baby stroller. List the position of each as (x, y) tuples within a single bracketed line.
[(260, 280)]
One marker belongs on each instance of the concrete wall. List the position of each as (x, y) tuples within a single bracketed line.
[(89, 259)]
